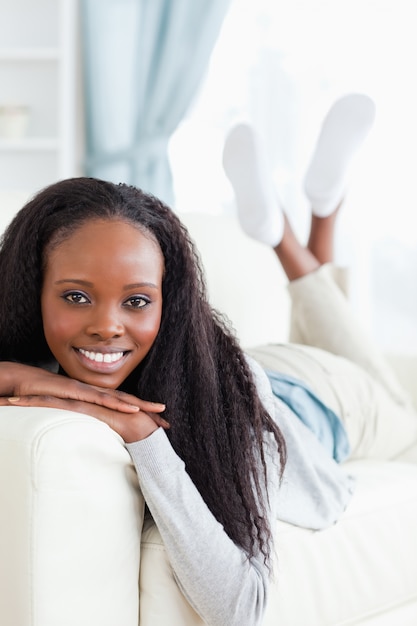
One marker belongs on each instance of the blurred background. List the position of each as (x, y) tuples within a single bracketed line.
[(144, 91)]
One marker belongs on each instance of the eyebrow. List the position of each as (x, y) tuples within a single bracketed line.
[(86, 283)]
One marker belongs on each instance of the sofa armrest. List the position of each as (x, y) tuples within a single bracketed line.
[(71, 514)]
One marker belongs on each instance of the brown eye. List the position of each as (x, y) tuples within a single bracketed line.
[(137, 302), (75, 297)]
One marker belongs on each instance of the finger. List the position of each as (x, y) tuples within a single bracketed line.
[(44, 401), (144, 405), (110, 398), (55, 385), (151, 407), (160, 421), (103, 414), (118, 400), (71, 405), (5, 401)]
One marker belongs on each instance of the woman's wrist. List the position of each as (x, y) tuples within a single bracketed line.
[(142, 426)]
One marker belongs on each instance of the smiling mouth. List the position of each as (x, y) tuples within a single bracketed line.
[(101, 357)]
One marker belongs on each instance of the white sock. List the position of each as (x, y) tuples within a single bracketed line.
[(245, 165), (344, 129)]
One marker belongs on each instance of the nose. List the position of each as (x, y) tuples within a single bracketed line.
[(105, 323)]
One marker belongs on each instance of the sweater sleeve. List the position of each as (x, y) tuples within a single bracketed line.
[(215, 575)]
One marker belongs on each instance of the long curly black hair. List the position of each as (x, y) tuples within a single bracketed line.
[(195, 366)]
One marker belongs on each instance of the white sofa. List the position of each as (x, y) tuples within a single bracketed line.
[(71, 514)]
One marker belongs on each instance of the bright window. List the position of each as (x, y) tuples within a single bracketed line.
[(280, 66)]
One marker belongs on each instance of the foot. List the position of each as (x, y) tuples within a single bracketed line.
[(258, 210), (344, 129)]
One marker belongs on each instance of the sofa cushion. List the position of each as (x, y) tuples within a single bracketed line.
[(369, 558), (364, 564)]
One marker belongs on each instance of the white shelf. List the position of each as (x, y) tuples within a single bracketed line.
[(38, 70), (29, 54), (28, 144)]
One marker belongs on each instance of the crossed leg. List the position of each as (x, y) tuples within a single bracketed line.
[(328, 349)]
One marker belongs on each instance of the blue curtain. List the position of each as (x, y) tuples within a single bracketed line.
[(143, 62)]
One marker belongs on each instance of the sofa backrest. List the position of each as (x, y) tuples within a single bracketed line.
[(244, 278)]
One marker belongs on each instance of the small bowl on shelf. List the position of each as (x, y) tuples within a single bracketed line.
[(14, 121)]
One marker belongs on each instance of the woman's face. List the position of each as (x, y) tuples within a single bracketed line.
[(102, 301)]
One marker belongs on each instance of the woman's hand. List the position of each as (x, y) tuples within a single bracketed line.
[(132, 418), (130, 426)]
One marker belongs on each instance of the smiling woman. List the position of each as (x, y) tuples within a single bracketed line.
[(102, 300), (101, 285)]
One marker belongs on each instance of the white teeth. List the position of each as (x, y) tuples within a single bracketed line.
[(99, 357)]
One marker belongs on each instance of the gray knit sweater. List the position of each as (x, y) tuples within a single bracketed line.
[(214, 574)]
